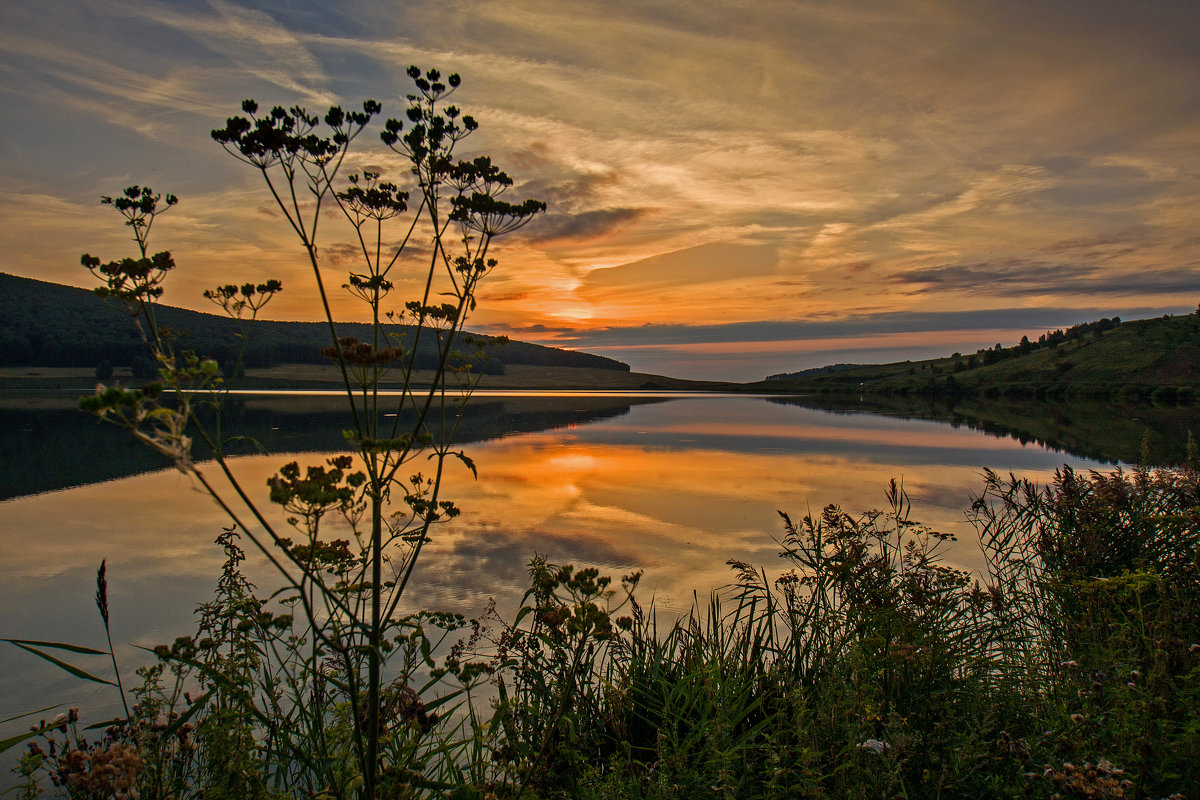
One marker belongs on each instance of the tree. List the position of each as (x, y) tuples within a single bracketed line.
[(142, 367)]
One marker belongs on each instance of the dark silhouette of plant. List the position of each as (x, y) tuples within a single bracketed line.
[(449, 212), (136, 282)]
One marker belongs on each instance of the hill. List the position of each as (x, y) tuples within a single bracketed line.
[(804, 373), (50, 325), (1143, 359)]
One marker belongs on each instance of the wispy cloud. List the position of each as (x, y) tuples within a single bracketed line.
[(1019, 278), (251, 42), (1027, 320), (705, 163)]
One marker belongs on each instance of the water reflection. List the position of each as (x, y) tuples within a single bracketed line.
[(1108, 432), (46, 443), (673, 487)]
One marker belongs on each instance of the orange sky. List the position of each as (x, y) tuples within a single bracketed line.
[(734, 188)]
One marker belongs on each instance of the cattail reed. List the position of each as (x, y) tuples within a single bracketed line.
[(102, 605), (102, 591)]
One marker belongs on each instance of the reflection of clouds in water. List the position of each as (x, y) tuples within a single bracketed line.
[(942, 497), (591, 516), (659, 489), (462, 571), (148, 606), (157, 521)]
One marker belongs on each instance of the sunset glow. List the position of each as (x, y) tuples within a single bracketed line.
[(858, 181)]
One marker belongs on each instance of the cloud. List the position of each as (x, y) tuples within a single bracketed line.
[(569, 228), (697, 265), (1103, 246), (750, 351), (252, 42), (94, 87), (1024, 278), (849, 326)]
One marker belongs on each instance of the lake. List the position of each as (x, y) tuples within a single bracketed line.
[(672, 484)]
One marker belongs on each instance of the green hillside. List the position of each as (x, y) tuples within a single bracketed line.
[(50, 325), (1143, 359)]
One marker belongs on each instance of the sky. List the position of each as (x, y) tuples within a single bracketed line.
[(734, 188)]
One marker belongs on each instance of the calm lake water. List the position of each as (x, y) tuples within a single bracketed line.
[(670, 484)]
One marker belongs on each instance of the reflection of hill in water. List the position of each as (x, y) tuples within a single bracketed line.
[(1100, 431), (47, 444)]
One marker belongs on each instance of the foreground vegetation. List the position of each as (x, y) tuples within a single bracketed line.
[(869, 668)]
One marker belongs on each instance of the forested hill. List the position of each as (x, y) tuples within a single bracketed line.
[(1140, 359), (51, 325)]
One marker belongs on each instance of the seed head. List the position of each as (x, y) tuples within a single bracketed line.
[(102, 591)]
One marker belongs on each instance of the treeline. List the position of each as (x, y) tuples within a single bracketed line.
[(51, 325), (1051, 339)]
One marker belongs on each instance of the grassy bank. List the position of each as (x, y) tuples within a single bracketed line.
[(867, 668)]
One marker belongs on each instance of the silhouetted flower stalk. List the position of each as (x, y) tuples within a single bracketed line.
[(348, 590)]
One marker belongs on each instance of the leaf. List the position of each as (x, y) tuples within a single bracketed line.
[(74, 648), (185, 716), (257, 445), (29, 714), (13, 741), (101, 725), (441, 700), (76, 671), (464, 458)]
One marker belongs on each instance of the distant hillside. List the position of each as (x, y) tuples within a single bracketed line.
[(51, 325), (1142, 359), (804, 373)]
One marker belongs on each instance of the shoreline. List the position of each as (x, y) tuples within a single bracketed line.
[(17, 381)]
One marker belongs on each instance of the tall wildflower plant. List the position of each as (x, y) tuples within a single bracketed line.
[(433, 227), (1100, 575), (549, 677), (881, 630)]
